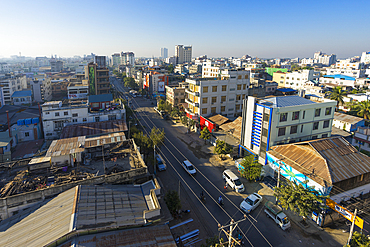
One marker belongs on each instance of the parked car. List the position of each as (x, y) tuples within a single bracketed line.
[(251, 202), (188, 166), (160, 163), (276, 213), (233, 181)]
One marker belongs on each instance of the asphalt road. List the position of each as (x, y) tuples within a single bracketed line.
[(257, 228)]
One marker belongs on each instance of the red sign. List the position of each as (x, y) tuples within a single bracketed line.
[(205, 122)]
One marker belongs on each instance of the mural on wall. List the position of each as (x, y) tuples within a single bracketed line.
[(294, 176), (92, 80), (161, 86)]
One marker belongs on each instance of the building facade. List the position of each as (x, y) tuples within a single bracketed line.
[(183, 54), (10, 84), (365, 57), (98, 79), (164, 53), (297, 79), (175, 95), (128, 58), (286, 119), (155, 82), (339, 80), (42, 90)]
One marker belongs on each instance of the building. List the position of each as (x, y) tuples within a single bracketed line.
[(361, 138), (56, 66), (171, 60), (56, 115), (78, 90), (210, 69), (356, 73), (279, 78), (155, 82), (195, 69), (164, 53), (347, 122), (286, 119), (128, 58), (4, 67), (41, 90), (116, 60), (365, 57), (101, 61), (324, 59), (22, 97), (223, 95), (297, 79), (338, 80), (175, 95), (11, 83), (183, 54), (98, 79), (2, 102)]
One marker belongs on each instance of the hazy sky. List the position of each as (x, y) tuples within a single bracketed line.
[(215, 28)]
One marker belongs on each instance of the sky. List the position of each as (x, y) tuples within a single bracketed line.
[(229, 28)]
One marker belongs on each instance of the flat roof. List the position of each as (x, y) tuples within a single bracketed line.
[(347, 118), (100, 98), (25, 93), (286, 101), (339, 76)]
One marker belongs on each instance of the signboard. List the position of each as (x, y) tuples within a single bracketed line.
[(344, 212), (161, 86), (77, 96)]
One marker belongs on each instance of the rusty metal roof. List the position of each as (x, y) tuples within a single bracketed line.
[(347, 118), (94, 129), (328, 160), (235, 127), (105, 139), (66, 146), (218, 119)]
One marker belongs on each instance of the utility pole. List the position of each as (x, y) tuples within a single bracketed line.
[(102, 152), (278, 182), (352, 226), (179, 188), (229, 234), (154, 162)]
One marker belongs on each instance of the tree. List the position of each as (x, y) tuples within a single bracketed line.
[(359, 240), (173, 202), (144, 142), (295, 67), (213, 242), (170, 68), (129, 82), (157, 136), (161, 105), (252, 169), (191, 124), (205, 134), (299, 199), (175, 112), (222, 148), (338, 95), (363, 109)]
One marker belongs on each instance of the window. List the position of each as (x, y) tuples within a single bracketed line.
[(223, 99), (283, 117), (65, 113), (214, 88), (97, 119), (205, 100), (204, 111), (84, 120), (281, 131), (74, 114), (314, 137), (205, 89), (315, 125), (244, 86), (213, 109), (246, 77), (26, 134), (74, 120), (238, 97), (231, 99), (57, 114), (293, 129), (295, 115), (47, 113), (239, 76), (327, 111), (302, 128), (231, 109), (224, 87), (214, 100), (317, 112), (264, 132), (222, 108), (324, 136), (266, 117), (304, 113), (239, 87), (237, 107), (326, 124)]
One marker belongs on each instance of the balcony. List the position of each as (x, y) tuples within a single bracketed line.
[(191, 92), (192, 103)]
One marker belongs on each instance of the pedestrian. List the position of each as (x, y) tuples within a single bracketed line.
[(225, 187)]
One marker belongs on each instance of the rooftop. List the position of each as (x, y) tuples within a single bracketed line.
[(100, 98), (341, 77), (219, 119), (25, 93), (287, 101), (347, 118)]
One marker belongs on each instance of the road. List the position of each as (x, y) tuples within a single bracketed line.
[(258, 230)]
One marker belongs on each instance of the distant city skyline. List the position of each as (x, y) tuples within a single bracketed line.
[(266, 29)]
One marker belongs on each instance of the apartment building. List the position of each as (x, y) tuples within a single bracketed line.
[(128, 58), (361, 138), (56, 66), (183, 54), (11, 83), (116, 60), (78, 90), (56, 115), (4, 67), (175, 95), (164, 53), (277, 120), (348, 68), (41, 89), (210, 69), (98, 79), (365, 57), (297, 79), (155, 81), (338, 80), (223, 95), (324, 59), (279, 78)]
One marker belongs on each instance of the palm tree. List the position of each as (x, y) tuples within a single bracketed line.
[(338, 95), (363, 109)]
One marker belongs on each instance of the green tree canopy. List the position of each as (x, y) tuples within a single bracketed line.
[(173, 202), (170, 68), (299, 199), (157, 136), (363, 109), (129, 82), (205, 134), (338, 95), (252, 169), (359, 240), (223, 148)]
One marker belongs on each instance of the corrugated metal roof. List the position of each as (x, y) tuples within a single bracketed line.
[(94, 129), (66, 146), (100, 98), (340, 76), (330, 159), (25, 93), (218, 119), (39, 160), (286, 101), (235, 126), (105, 139), (39, 226), (347, 118)]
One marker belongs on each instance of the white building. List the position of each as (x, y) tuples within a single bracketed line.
[(207, 96), (10, 84), (78, 90), (356, 73), (347, 64), (339, 80), (56, 115), (171, 60), (210, 69), (41, 90), (22, 97), (347, 122), (365, 57), (361, 138), (183, 54), (4, 67), (164, 53), (127, 58), (298, 79), (286, 119)]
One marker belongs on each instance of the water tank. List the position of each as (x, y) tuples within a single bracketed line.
[(35, 120), (28, 121), (20, 122)]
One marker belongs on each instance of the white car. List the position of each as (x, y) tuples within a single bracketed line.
[(251, 202), (188, 166)]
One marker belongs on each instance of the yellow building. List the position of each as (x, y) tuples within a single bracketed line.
[(279, 77)]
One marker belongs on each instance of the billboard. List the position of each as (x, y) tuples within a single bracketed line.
[(92, 80), (161, 86)]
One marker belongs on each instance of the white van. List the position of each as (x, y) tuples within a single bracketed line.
[(233, 181), (188, 166)]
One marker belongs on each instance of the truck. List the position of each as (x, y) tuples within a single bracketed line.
[(276, 213)]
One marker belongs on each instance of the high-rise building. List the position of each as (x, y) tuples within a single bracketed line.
[(187, 54), (56, 66), (183, 54), (100, 61), (98, 79), (164, 53), (127, 58), (116, 59)]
